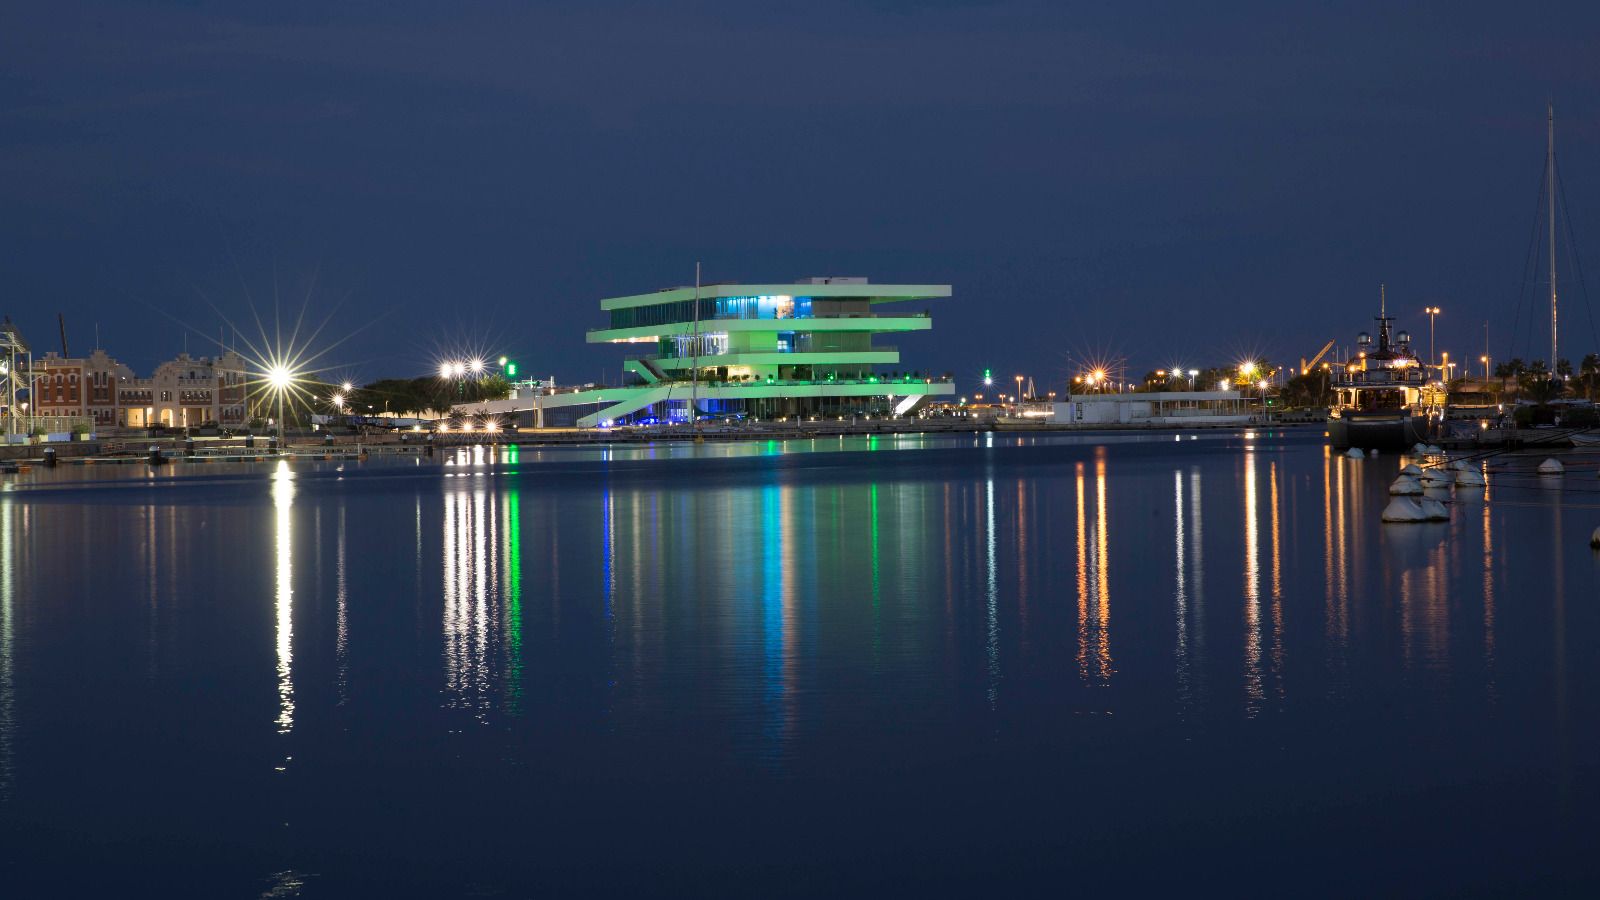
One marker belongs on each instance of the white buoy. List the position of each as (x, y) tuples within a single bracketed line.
[(1459, 465), (1551, 467), (1419, 448), (1405, 486), (1594, 539), (1403, 509), (1435, 450), (1373, 452), (1355, 453), (1469, 478), (1438, 492), (1434, 511), (1412, 469), (1433, 477)]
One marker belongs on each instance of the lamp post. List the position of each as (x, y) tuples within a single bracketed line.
[(1433, 312), (1193, 374), (1485, 360), (1019, 393)]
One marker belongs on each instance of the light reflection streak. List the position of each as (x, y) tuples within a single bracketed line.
[(341, 649), (283, 501), (1180, 594), (1252, 590), (1277, 651), (1488, 605), (1083, 580), (467, 567), (1102, 643), (1197, 584), (992, 600), (8, 648)]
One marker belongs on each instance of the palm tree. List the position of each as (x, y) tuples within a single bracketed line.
[(1589, 374)]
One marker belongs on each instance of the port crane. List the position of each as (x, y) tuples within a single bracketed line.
[(1306, 367)]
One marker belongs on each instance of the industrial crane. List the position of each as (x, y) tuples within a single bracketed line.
[(1306, 367)]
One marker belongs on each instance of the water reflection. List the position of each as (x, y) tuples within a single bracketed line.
[(8, 646), (283, 502), (1094, 579), (470, 567)]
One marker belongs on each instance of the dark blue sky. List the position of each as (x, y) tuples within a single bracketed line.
[(1162, 181)]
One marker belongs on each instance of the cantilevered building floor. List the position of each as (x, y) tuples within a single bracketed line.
[(762, 350)]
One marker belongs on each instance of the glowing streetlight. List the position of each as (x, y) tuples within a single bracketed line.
[(1247, 369), (280, 378), (347, 387), (444, 371), (1193, 374), (476, 366), (1432, 313)]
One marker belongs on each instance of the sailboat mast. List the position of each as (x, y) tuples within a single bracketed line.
[(1550, 194)]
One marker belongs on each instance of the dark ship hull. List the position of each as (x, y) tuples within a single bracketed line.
[(1393, 429)]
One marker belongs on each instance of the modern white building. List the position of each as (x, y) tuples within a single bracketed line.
[(768, 350), (1163, 408)]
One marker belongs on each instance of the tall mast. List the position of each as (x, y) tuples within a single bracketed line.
[(1550, 193), (694, 362)]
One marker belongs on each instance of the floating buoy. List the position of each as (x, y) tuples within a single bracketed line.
[(1438, 492), (1405, 486), (1373, 452), (1459, 465), (1551, 467), (1434, 450), (1434, 477), (1469, 478), (1403, 509), (1594, 539), (1419, 448), (1412, 469), (1355, 453), (1434, 511)]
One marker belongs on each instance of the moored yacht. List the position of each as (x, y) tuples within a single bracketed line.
[(1379, 394)]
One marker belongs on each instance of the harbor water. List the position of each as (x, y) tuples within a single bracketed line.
[(972, 665)]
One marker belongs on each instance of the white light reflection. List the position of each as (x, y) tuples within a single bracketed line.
[(341, 648), (282, 501), (1180, 594), (992, 601), (1252, 590), (8, 643)]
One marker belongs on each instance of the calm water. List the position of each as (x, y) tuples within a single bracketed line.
[(970, 666)]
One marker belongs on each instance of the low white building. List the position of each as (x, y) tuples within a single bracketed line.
[(1163, 408)]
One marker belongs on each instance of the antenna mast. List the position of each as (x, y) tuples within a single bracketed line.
[(1550, 193)]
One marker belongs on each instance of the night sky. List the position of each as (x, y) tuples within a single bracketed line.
[(1166, 182)]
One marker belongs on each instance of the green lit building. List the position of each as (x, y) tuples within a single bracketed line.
[(765, 351)]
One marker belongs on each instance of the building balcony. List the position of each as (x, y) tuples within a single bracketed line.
[(644, 334)]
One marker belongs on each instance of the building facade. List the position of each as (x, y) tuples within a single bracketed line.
[(1164, 408), (767, 350), (187, 392), (79, 386)]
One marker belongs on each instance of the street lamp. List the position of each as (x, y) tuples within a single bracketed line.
[(280, 379), (1019, 387), (1433, 312), (1193, 374), (1485, 360)]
